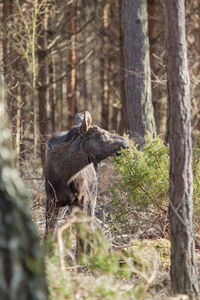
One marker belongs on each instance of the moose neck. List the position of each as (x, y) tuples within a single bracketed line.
[(75, 160)]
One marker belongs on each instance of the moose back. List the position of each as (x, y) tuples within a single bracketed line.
[(71, 164)]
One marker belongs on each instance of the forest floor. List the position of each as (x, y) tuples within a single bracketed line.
[(158, 287)]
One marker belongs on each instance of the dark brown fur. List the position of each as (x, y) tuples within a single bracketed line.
[(71, 166)]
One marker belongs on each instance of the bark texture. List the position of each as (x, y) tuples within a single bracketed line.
[(137, 81), (22, 274), (183, 269), (42, 80)]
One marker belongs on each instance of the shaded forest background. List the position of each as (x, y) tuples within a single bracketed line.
[(62, 57)]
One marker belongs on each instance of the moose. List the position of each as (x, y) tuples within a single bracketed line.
[(71, 163)]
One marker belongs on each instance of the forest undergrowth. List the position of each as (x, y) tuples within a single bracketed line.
[(129, 247)]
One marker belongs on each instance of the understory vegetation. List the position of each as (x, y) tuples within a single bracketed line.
[(105, 271), (126, 249), (140, 193)]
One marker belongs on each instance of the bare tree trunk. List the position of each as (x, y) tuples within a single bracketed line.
[(34, 76), (18, 129), (122, 110), (51, 72), (42, 80), (183, 268), (52, 100), (137, 82), (71, 83), (7, 11), (105, 70), (156, 40), (59, 91)]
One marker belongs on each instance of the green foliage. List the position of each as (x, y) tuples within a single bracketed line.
[(143, 175), (142, 187), (139, 196)]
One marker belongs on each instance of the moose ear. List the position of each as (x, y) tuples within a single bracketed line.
[(87, 121)]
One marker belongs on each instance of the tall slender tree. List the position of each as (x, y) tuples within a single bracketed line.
[(42, 78), (183, 269), (137, 81), (71, 82), (7, 11)]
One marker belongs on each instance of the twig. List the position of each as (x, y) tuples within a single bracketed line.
[(60, 241)]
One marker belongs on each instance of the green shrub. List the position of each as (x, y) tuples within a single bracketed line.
[(142, 185), (140, 192), (143, 175)]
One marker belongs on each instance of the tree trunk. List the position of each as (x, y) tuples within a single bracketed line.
[(22, 270), (183, 269), (42, 80), (52, 100), (71, 82), (137, 82), (59, 92), (105, 69), (7, 11), (122, 90), (157, 42), (18, 130)]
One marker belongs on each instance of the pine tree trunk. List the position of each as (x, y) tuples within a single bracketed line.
[(42, 80), (137, 81), (122, 90), (183, 269), (156, 40), (105, 70), (59, 91), (71, 82), (7, 11)]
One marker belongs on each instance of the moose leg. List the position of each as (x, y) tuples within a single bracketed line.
[(52, 211), (88, 204), (92, 202)]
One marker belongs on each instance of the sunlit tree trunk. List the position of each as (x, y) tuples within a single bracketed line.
[(156, 40), (33, 43), (183, 269), (152, 6), (18, 129), (137, 81)]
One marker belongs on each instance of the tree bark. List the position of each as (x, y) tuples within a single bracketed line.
[(7, 58), (137, 82), (156, 40), (42, 80), (71, 82), (105, 69), (183, 269), (122, 90)]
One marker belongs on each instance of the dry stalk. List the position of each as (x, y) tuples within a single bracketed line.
[(60, 240)]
